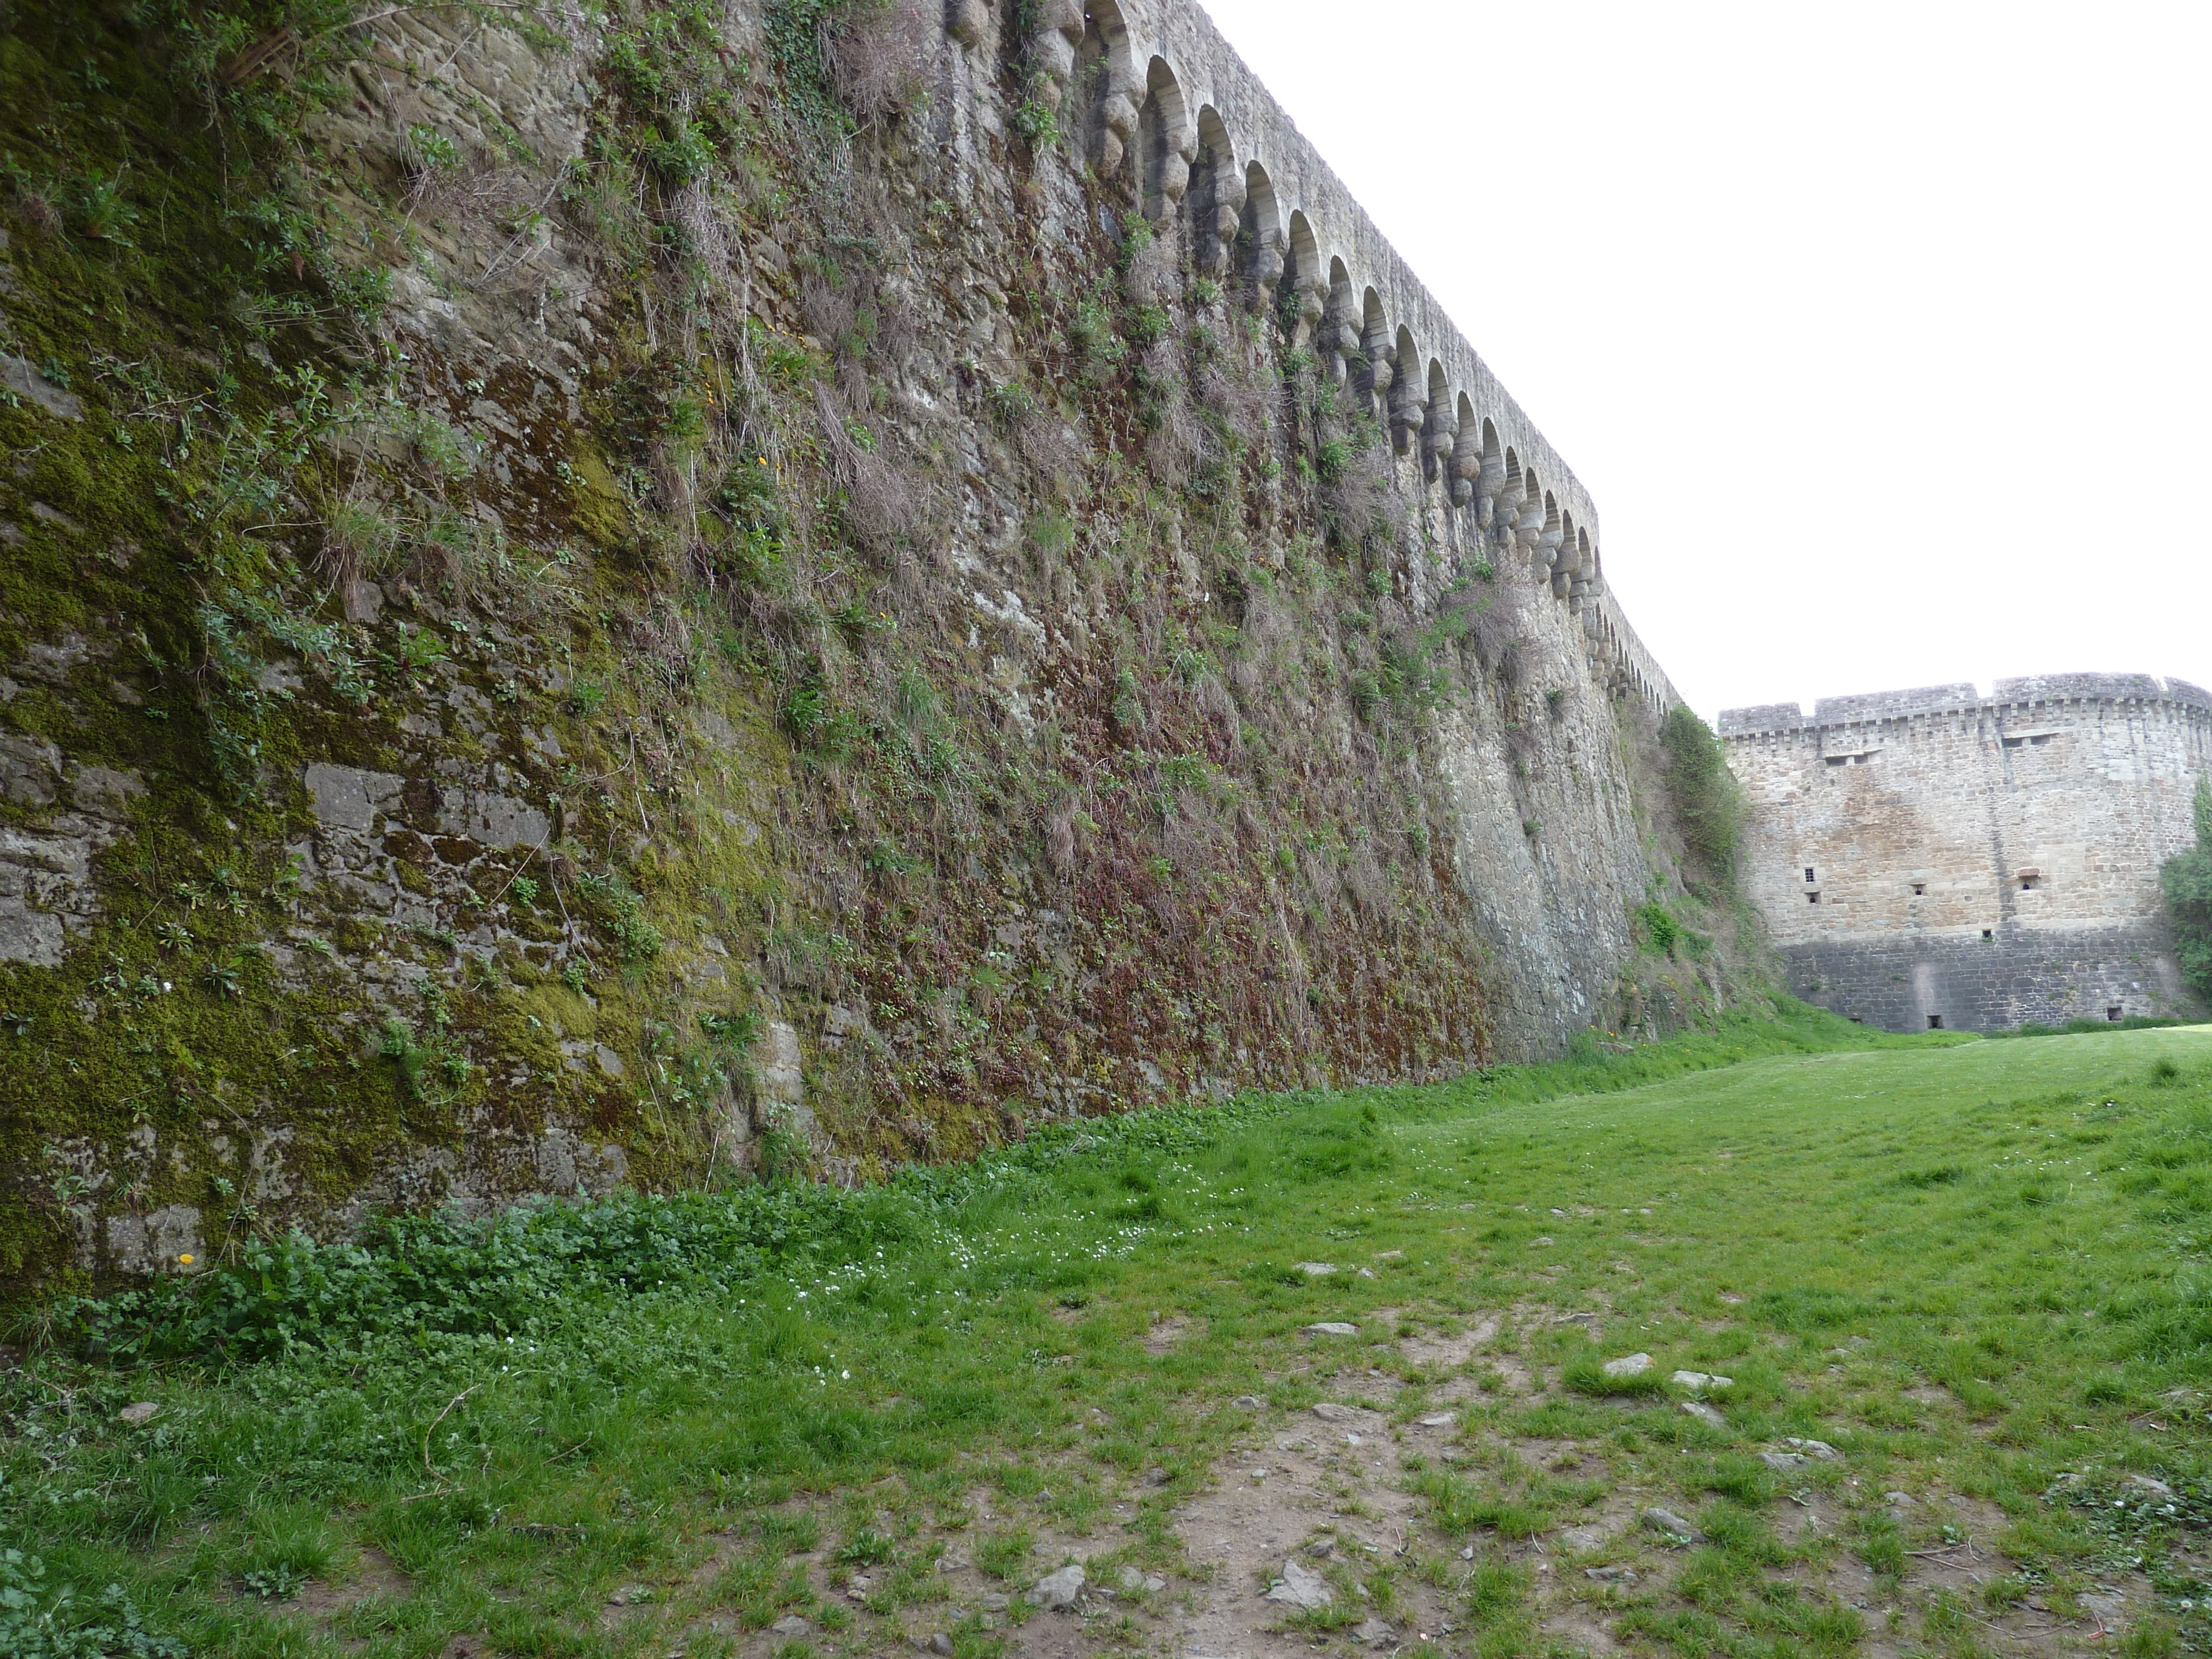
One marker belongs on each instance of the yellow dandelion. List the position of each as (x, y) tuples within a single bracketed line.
[(186, 1258)]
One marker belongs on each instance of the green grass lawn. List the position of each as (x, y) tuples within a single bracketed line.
[(1975, 1269)]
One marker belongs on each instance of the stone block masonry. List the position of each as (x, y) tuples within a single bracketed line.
[(868, 626), (1934, 857)]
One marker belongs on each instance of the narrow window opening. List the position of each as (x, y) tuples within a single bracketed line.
[(1989, 932), (1808, 872), (2040, 738), (2013, 742), (1920, 890), (2029, 884), (2111, 1014), (1934, 1022), (1811, 898), (1838, 760)]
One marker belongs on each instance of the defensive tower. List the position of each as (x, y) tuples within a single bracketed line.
[(1935, 858)]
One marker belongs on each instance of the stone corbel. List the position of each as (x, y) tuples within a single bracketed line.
[(1489, 489), (1409, 413), (1382, 354), (1547, 553), (1174, 164), (1217, 236), (1442, 438), (1530, 524), (965, 20), (1052, 48), (1313, 304), (1466, 465), (1117, 118), (1267, 263)]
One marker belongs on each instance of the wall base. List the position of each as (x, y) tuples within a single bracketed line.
[(2019, 976)]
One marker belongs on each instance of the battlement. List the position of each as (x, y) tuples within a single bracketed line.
[(2007, 696)]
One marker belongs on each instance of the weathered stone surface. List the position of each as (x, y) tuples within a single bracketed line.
[(1815, 1449), (1329, 1412), (1704, 1414), (1700, 1381), (1670, 1525), (1059, 1589), (1331, 1328), (1630, 1365), (346, 798), (168, 1240), (30, 770), (1784, 1460), (407, 894), (493, 819), (22, 378), (142, 1411), (1301, 1587)]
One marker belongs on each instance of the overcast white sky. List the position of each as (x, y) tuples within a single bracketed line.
[(1881, 334)]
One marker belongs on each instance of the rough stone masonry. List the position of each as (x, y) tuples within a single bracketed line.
[(1935, 858)]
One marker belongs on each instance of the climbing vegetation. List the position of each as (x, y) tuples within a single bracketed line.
[(2186, 879)]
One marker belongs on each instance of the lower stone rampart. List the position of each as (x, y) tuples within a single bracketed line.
[(2017, 976)]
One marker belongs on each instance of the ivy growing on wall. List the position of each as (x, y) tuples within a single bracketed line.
[(1708, 802), (2187, 880)]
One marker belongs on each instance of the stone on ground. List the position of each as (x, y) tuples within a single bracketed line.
[(142, 1411), (1317, 1269), (1331, 1328), (1704, 1414), (1700, 1381), (792, 1625), (1372, 1630), (1301, 1587), (1784, 1459), (1329, 1412), (1819, 1448), (1628, 1365), (1673, 1525), (1058, 1590)]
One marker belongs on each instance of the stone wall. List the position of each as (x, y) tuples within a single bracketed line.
[(1152, 94), (1935, 855), (732, 660)]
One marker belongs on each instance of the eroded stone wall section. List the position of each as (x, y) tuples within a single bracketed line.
[(1934, 856)]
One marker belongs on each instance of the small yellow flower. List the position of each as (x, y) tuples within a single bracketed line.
[(186, 1258)]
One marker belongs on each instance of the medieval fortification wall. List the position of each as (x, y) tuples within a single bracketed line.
[(628, 597), (1935, 856)]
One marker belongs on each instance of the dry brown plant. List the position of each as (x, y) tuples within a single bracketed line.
[(874, 48), (1363, 502), (880, 508)]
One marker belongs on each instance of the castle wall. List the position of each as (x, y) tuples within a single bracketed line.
[(1933, 854), (874, 631)]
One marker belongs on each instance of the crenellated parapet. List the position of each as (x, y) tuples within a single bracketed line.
[(1156, 100), (2020, 696)]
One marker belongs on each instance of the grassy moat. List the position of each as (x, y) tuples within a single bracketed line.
[(1957, 1286)]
